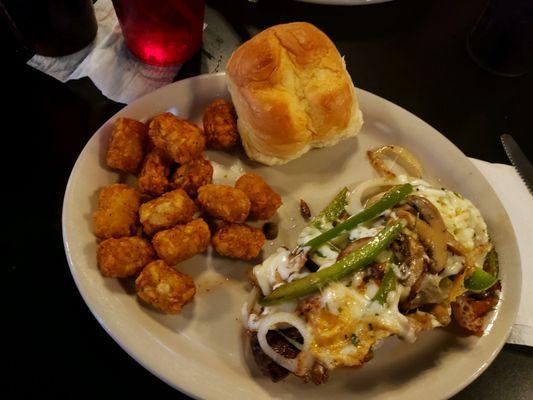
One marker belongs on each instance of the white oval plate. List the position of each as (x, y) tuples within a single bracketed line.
[(200, 352)]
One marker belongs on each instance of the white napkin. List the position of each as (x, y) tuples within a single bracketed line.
[(518, 203), (107, 62)]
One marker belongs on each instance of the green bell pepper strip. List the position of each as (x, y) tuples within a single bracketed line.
[(480, 280), (388, 284), (333, 210), (491, 263), (353, 262), (389, 199)]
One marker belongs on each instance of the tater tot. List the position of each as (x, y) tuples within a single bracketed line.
[(191, 176), (120, 258), (153, 178), (163, 287), (224, 202), (180, 139), (127, 145), (220, 125), (263, 199), (116, 215), (182, 241), (238, 241), (172, 208)]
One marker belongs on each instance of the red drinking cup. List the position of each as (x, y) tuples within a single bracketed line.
[(161, 32)]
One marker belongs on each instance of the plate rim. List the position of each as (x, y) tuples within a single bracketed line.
[(121, 339)]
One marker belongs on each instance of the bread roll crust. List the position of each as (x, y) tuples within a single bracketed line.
[(292, 92)]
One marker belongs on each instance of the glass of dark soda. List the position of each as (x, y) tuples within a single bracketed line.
[(162, 32)]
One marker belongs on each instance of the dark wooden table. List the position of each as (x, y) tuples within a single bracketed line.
[(410, 52)]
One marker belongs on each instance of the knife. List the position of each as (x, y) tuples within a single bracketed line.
[(519, 160)]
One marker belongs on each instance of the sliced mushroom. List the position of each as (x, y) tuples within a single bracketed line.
[(428, 238), (413, 266), (451, 243), (454, 246), (417, 285), (353, 246), (430, 229), (438, 239), (297, 259)]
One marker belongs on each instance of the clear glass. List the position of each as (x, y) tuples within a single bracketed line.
[(502, 40), (50, 27), (161, 32)]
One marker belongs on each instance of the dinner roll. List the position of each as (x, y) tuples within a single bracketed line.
[(291, 92)]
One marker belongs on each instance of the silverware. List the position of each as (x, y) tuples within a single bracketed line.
[(519, 160)]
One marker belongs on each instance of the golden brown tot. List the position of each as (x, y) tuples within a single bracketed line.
[(180, 139), (182, 241), (116, 215), (153, 178), (264, 200), (191, 176), (127, 145), (172, 208), (163, 287), (123, 257), (238, 241), (224, 202), (220, 125)]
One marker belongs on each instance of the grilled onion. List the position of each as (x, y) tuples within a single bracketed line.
[(304, 361), (399, 155)]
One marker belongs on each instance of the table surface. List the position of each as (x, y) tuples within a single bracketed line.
[(412, 53)]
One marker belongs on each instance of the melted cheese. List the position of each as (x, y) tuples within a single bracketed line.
[(454, 265), (325, 256), (338, 299), (346, 323), (460, 216), (362, 231)]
